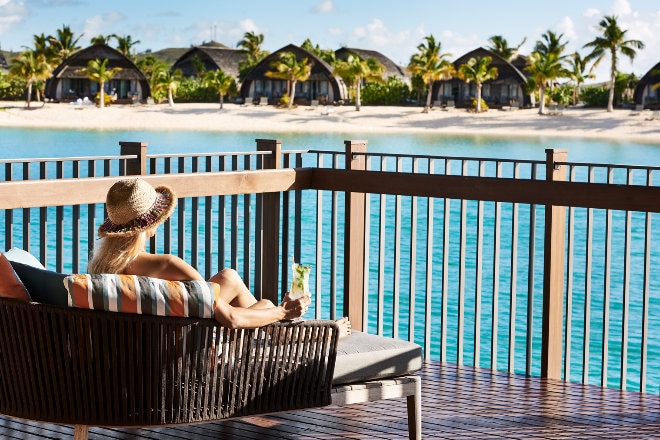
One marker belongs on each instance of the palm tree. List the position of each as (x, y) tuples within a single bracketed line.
[(125, 44), (44, 49), (431, 65), (290, 69), (500, 46), (97, 70), (250, 45), (66, 42), (32, 67), (551, 43), (219, 81), (544, 69), (355, 71), (577, 71), (164, 80), (612, 41), (100, 39), (477, 70), (327, 55)]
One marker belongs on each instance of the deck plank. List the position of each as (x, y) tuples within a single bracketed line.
[(457, 403)]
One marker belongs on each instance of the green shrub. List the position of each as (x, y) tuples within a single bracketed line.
[(191, 90), (392, 92), (484, 106), (562, 94), (595, 96), (12, 88), (107, 99), (284, 100)]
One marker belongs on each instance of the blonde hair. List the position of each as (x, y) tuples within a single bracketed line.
[(114, 253)]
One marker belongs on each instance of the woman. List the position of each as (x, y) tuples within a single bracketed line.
[(135, 209)]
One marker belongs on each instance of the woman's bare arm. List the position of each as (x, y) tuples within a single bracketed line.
[(239, 317)]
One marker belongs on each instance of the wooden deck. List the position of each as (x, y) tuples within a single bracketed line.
[(458, 403)]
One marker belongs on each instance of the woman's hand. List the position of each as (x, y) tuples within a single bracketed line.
[(295, 308)]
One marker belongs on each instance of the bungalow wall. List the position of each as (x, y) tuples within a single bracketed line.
[(496, 93), (71, 89), (306, 91)]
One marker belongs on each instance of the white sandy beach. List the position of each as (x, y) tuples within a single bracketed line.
[(638, 126)]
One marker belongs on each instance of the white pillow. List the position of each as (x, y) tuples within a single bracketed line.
[(20, 256)]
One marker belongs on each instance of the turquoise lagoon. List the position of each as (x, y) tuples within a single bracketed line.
[(38, 143)]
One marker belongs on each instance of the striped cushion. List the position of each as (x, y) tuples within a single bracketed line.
[(140, 294)]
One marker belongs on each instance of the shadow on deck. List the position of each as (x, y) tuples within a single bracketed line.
[(457, 403)]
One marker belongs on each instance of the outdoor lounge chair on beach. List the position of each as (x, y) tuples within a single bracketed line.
[(82, 367)]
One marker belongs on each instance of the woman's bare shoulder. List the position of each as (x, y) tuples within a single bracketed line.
[(165, 266)]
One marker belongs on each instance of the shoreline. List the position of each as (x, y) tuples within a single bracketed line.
[(620, 125)]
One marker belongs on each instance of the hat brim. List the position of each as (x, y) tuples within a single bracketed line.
[(160, 211)]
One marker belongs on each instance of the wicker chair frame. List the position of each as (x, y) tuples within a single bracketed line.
[(93, 368)]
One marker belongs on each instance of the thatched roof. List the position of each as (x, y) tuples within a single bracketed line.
[(505, 69), (72, 67), (321, 70), (391, 68), (3, 62), (651, 77), (215, 56)]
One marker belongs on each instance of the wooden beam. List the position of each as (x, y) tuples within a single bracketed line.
[(588, 195), (553, 273), (354, 294), (38, 193)]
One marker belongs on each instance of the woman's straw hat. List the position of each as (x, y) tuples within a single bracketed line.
[(134, 205)]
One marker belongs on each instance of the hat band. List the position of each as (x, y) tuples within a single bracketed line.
[(143, 221)]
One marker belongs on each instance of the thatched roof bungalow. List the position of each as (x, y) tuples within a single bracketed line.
[(391, 68), (3, 63), (644, 93), (213, 56), (507, 89), (68, 83), (322, 85)]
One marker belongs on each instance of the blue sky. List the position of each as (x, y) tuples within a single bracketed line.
[(395, 31)]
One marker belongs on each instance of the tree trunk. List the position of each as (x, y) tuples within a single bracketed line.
[(428, 98), (478, 97), (542, 99), (610, 99), (170, 97), (101, 94), (358, 100), (29, 94), (293, 91), (222, 99)]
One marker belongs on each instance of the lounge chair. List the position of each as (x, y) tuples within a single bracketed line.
[(82, 367)]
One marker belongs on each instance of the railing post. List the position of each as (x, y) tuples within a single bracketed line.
[(553, 273), (267, 247), (354, 293), (138, 166)]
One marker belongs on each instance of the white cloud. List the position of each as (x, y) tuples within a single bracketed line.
[(377, 36), (11, 13), (103, 24), (248, 25), (592, 12), (325, 7), (621, 8), (567, 27)]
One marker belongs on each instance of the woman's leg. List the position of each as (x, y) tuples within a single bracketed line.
[(234, 291)]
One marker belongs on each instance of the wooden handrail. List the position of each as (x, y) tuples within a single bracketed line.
[(541, 192), (61, 192)]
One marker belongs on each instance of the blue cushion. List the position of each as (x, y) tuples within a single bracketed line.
[(43, 285)]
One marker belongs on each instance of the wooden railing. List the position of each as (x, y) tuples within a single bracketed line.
[(353, 252)]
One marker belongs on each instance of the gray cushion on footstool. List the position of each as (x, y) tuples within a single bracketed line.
[(362, 356)]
